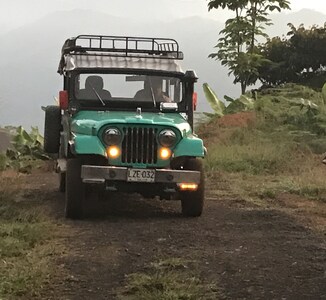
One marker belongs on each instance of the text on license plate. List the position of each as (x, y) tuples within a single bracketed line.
[(141, 175)]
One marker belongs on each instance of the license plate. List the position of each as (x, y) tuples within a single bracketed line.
[(141, 175)]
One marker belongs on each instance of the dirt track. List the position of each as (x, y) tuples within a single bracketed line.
[(248, 252)]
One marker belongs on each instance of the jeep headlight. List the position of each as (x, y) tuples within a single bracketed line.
[(112, 136), (167, 138)]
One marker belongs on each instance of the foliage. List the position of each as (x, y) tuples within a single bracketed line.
[(26, 149), (297, 107), (243, 103), (324, 93), (237, 48), (217, 105), (289, 128), (3, 161), (25, 251), (298, 58)]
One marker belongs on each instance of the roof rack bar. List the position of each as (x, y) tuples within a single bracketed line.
[(167, 48), (121, 46), (126, 46)]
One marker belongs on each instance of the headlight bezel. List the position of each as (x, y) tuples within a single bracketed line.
[(112, 136), (167, 134)]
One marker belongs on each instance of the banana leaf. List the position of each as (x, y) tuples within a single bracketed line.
[(217, 105), (324, 93), (228, 99), (248, 102)]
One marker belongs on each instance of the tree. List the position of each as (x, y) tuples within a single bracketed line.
[(298, 58), (237, 48), (278, 67)]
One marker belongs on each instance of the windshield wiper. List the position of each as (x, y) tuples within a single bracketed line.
[(152, 92), (98, 96)]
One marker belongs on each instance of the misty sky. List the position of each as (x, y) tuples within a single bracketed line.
[(15, 13)]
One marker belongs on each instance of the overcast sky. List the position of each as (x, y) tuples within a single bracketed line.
[(15, 13)]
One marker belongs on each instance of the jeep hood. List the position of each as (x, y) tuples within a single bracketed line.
[(90, 122)]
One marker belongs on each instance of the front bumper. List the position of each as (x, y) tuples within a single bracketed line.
[(101, 174)]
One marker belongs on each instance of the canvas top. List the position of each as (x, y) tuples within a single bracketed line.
[(80, 61)]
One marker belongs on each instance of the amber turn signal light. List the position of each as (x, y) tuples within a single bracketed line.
[(188, 186), (165, 153), (113, 151)]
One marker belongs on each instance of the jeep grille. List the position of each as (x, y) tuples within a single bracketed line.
[(139, 145)]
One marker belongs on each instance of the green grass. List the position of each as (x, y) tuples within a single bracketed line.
[(265, 170), (279, 153), (3, 161), (25, 248), (307, 184), (254, 151), (168, 279)]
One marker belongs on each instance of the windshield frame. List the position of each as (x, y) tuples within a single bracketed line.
[(114, 105)]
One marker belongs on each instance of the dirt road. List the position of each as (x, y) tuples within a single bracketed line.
[(246, 251)]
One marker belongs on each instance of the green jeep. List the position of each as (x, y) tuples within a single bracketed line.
[(125, 122)]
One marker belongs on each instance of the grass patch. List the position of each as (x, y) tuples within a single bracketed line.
[(312, 192), (308, 184), (3, 161), (280, 152), (260, 189), (254, 151), (283, 137), (169, 279), (25, 251)]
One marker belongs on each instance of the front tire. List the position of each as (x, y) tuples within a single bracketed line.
[(75, 191), (192, 202)]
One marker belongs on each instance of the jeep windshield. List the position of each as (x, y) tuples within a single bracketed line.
[(126, 91)]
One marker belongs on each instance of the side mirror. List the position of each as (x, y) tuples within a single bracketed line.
[(194, 100), (63, 100)]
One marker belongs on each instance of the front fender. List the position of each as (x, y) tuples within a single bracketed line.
[(88, 144), (190, 146)]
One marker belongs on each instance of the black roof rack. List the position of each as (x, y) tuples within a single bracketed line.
[(127, 46), (124, 46)]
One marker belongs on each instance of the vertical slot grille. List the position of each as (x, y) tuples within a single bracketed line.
[(139, 145)]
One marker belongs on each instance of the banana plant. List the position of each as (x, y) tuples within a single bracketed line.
[(217, 105), (303, 103), (26, 148), (220, 109), (324, 93)]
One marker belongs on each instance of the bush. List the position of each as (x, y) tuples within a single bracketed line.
[(26, 149)]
